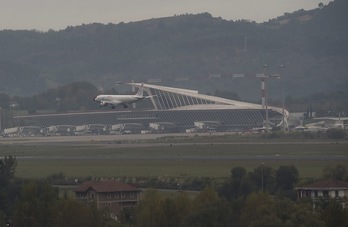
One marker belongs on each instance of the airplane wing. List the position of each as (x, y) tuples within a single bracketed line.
[(150, 96), (144, 97)]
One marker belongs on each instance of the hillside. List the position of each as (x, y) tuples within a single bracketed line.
[(192, 51)]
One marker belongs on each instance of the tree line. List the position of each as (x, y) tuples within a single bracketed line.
[(209, 209), (262, 197)]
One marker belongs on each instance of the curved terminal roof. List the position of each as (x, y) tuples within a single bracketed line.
[(183, 107), (169, 98)]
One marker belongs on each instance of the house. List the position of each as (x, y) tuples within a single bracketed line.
[(111, 194), (324, 189)]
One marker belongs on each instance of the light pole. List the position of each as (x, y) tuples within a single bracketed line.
[(58, 99), (264, 94), (283, 99), (14, 106), (264, 87)]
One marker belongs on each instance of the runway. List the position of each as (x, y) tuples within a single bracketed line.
[(91, 139), (200, 158), (166, 154), (142, 141), (136, 139)]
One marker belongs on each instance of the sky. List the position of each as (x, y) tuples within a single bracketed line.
[(43, 15)]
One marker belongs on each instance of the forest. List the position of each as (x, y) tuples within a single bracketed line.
[(240, 200), (191, 51)]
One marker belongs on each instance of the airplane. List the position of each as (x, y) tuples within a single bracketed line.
[(124, 100)]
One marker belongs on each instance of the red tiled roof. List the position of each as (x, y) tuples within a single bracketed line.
[(326, 184), (106, 186)]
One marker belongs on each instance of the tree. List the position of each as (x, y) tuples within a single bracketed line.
[(208, 210), (238, 186), (71, 213), (7, 169), (259, 210), (170, 213), (262, 209), (302, 214), (286, 177), (149, 210), (333, 213), (127, 216), (238, 173), (206, 197), (8, 190), (263, 176), (339, 172), (35, 206), (38, 205), (184, 205)]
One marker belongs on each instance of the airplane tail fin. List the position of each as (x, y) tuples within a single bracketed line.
[(140, 91)]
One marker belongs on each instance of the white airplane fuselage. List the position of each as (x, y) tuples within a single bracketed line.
[(117, 99), (124, 100)]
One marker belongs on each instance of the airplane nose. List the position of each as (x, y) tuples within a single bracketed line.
[(94, 98)]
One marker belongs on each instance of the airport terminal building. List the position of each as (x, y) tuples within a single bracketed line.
[(174, 110)]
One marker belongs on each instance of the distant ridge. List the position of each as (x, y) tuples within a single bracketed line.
[(312, 44)]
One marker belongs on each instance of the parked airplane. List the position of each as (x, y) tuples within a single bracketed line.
[(124, 100)]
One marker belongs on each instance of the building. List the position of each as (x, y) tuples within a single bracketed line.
[(111, 194), (174, 107), (327, 189)]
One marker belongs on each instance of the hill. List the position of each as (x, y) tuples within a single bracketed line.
[(192, 51)]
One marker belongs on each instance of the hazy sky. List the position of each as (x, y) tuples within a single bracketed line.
[(58, 14)]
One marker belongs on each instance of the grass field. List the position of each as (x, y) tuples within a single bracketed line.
[(176, 168), (179, 159)]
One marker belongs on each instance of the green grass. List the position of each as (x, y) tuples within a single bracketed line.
[(168, 159), (175, 168), (290, 149)]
